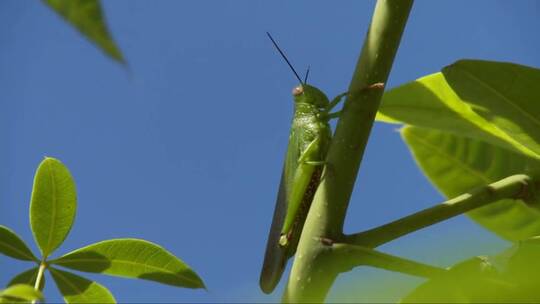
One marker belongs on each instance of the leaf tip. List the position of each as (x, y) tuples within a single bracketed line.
[(50, 159)]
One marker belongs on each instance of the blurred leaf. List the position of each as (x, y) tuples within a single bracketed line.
[(472, 281), (436, 102), (521, 264), (28, 277), (87, 17), (509, 277), (12, 245), (20, 292), (458, 164), (132, 258), (506, 95), (53, 205), (76, 289)]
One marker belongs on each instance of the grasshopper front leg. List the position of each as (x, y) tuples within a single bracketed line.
[(335, 101), (325, 114)]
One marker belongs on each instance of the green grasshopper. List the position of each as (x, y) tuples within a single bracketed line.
[(309, 140)]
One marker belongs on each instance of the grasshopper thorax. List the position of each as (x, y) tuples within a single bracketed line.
[(304, 93)]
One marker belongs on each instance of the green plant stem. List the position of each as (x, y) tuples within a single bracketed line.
[(311, 277), (512, 187), (347, 256), (39, 277)]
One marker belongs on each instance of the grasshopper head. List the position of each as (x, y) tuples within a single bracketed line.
[(304, 93)]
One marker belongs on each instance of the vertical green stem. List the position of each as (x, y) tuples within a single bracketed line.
[(312, 274)]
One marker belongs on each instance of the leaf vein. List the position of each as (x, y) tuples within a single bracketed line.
[(17, 250), (130, 263), (53, 209), (453, 159), (503, 97)]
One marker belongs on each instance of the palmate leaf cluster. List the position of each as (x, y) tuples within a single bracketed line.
[(474, 123), (53, 209), (52, 213)]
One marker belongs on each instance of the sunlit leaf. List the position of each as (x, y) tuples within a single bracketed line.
[(471, 281), (28, 277), (509, 277), (506, 95), (87, 17), (132, 258), (77, 289), (20, 292), (53, 205), (522, 268), (12, 245), (457, 164), (449, 102)]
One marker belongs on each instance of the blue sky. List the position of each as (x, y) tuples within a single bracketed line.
[(185, 147)]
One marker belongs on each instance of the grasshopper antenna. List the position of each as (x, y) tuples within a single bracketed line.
[(284, 57), (307, 74)]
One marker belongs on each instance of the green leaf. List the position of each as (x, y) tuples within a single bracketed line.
[(521, 264), (28, 277), (433, 102), (12, 245), (457, 164), (506, 95), (20, 292), (87, 17), (132, 258), (509, 277), (472, 281), (76, 289), (478, 107), (53, 205)]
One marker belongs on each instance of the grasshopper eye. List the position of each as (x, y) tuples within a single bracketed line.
[(298, 90)]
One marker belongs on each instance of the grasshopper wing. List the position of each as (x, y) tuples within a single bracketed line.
[(275, 257)]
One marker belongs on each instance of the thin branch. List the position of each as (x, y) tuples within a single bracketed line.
[(349, 256), (518, 186)]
